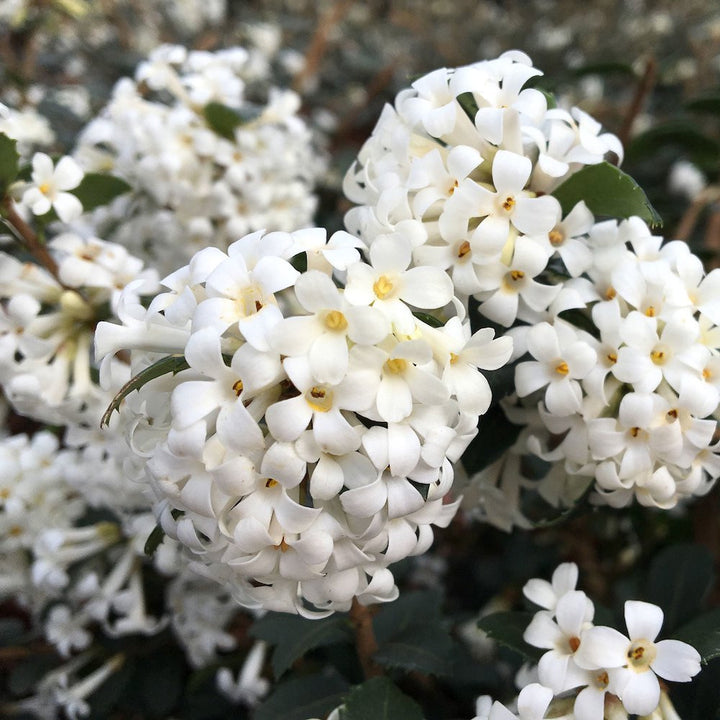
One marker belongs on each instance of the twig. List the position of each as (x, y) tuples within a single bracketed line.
[(361, 618), (690, 217), (643, 89), (30, 239), (318, 45)]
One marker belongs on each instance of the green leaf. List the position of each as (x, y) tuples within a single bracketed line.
[(679, 578), (428, 319), (411, 610), (157, 535), (422, 648), (495, 435), (161, 679), (581, 319), (680, 134), (294, 636), (304, 697), (380, 699), (706, 104), (703, 633), (223, 119), (9, 162), (97, 189), (467, 102), (170, 364), (608, 192), (507, 628)]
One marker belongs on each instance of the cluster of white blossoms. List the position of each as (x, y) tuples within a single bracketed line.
[(620, 330), (462, 166), (47, 324), (628, 404), (209, 157), (305, 441), (594, 671)]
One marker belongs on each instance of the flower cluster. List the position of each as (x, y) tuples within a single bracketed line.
[(462, 166), (47, 324), (628, 403), (208, 157), (599, 663), (614, 332), (305, 441)]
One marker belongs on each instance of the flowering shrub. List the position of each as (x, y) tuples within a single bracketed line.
[(234, 457)]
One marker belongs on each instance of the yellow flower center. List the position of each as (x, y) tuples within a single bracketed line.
[(557, 237), (612, 357), (610, 293), (453, 358), (562, 368), (574, 643), (282, 546), (508, 203), (463, 250), (335, 320), (44, 188), (641, 654), (650, 312), (238, 387), (396, 366), (602, 680), (383, 286), (319, 398), (271, 483), (658, 357)]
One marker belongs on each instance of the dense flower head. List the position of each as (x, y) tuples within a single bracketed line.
[(47, 324), (306, 443), (462, 165), (620, 395), (196, 183)]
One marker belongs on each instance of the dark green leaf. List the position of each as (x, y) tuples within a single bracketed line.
[(97, 189), (699, 699), (379, 699), (153, 541), (9, 162), (679, 578), (412, 609), (428, 319), (26, 674), (426, 649), (170, 364), (304, 697), (495, 435), (608, 192), (681, 134), (581, 319), (507, 628), (706, 104), (467, 102), (703, 633), (550, 98), (293, 636), (161, 678), (223, 119)]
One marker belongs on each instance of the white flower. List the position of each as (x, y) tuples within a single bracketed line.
[(250, 686), (562, 637), (546, 594), (49, 186), (636, 661), (532, 702), (563, 361)]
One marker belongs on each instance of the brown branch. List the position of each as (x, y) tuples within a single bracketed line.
[(690, 217), (318, 45), (30, 239), (642, 91), (366, 644)]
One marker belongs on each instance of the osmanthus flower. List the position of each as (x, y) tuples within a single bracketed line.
[(508, 204), (47, 325), (193, 185), (560, 632), (532, 703), (561, 361), (635, 662), (50, 184), (293, 445), (455, 166), (547, 594)]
